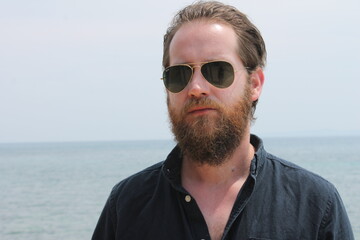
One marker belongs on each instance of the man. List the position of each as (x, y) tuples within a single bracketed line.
[(219, 182)]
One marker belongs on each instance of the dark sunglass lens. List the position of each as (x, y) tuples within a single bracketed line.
[(220, 74), (177, 77)]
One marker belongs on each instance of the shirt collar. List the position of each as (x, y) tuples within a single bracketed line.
[(259, 158), (172, 167)]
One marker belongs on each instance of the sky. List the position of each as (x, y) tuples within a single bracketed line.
[(76, 70)]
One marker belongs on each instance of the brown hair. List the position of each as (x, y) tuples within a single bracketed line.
[(251, 45)]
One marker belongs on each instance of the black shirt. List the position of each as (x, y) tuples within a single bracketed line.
[(279, 200)]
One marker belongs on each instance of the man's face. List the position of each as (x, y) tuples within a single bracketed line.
[(209, 122)]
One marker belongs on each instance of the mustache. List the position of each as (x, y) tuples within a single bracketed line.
[(201, 102)]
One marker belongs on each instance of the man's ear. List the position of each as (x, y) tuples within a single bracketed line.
[(257, 81)]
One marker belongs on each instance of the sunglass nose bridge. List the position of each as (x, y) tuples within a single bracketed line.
[(196, 66)]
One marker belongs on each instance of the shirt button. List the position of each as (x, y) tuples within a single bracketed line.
[(187, 198)]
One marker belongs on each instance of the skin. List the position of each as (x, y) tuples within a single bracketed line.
[(214, 188)]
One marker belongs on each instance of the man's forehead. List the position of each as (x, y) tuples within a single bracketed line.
[(208, 40)]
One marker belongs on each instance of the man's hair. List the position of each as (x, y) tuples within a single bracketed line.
[(251, 45)]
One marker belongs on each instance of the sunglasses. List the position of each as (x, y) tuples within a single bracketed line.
[(219, 73)]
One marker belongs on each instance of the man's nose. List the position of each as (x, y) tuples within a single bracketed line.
[(198, 85)]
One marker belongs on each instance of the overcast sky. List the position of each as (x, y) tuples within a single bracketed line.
[(75, 70)]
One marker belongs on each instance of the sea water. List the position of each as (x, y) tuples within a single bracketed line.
[(57, 190)]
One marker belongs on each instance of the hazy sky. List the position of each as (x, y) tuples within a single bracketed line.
[(74, 70)]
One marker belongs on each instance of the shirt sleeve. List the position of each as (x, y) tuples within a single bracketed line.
[(335, 224), (105, 228)]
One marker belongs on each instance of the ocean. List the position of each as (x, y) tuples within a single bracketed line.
[(57, 190)]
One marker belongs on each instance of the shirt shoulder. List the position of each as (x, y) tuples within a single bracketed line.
[(298, 190), (298, 175), (139, 183)]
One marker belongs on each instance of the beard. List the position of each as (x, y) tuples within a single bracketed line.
[(209, 139)]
